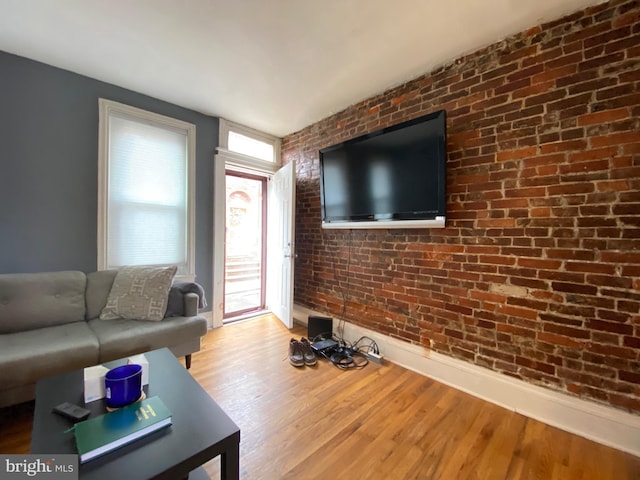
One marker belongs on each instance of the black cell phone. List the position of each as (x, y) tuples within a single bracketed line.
[(73, 412)]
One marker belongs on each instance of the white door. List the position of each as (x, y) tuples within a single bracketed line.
[(280, 247)]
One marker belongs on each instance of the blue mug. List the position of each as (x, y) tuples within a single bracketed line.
[(123, 385)]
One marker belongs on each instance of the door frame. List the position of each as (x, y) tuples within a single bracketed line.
[(264, 179), (223, 160), (219, 226)]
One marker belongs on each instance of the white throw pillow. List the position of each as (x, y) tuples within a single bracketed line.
[(139, 293)]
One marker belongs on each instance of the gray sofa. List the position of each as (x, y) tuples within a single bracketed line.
[(49, 324)]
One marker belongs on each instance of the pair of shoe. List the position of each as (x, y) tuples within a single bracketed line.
[(301, 353)]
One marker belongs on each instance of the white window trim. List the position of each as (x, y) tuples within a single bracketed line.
[(248, 162), (108, 107)]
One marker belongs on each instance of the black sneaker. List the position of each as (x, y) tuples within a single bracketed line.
[(307, 352), (296, 354)]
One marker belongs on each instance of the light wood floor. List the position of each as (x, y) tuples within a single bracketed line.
[(381, 422)]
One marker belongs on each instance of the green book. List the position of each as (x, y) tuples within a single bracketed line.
[(105, 433)]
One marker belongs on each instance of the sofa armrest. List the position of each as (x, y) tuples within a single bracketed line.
[(190, 304), (181, 298)]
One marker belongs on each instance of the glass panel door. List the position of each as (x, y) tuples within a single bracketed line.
[(244, 285)]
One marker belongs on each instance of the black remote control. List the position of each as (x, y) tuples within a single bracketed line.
[(73, 412)]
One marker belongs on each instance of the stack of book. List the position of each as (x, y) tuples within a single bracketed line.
[(105, 433)]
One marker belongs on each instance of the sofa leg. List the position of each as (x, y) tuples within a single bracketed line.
[(187, 361)]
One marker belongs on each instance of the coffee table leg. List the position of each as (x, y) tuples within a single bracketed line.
[(230, 464)]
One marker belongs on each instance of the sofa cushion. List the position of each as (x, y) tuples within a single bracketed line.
[(35, 300), (139, 293), (119, 338), (98, 288), (28, 356)]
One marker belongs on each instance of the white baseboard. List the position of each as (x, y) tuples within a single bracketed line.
[(602, 424)]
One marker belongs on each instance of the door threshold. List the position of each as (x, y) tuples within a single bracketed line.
[(245, 316)]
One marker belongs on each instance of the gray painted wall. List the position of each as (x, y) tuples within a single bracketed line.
[(49, 168)]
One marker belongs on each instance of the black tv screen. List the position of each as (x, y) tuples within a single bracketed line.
[(395, 177)]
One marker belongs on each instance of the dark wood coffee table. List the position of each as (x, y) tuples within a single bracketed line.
[(200, 431)]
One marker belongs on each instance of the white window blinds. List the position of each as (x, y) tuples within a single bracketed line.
[(148, 199)]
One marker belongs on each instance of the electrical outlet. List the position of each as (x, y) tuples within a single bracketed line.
[(375, 357)]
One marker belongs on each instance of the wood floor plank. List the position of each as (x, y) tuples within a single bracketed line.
[(380, 422)]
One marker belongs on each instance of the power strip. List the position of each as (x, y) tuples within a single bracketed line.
[(375, 357)]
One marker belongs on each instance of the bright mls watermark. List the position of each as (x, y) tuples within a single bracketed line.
[(50, 467)]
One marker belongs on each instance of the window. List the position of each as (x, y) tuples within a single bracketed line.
[(248, 148), (146, 189)]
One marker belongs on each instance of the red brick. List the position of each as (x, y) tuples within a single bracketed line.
[(544, 98), (600, 61), (518, 312), (610, 36), (614, 139), (621, 257), (570, 189), (613, 186), (572, 59), (539, 261), (613, 327), (559, 340), (633, 342), (496, 223), (598, 118), (497, 260), (541, 366), (627, 18), (518, 54), (488, 297), (627, 402), (584, 167), (612, 351), (590, 267)]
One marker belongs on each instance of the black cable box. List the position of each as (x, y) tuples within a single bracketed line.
[(324, 345)]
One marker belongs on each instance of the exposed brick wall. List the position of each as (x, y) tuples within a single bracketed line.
[(537, 274)]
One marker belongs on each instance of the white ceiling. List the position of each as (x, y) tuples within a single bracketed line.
[(274, 65)]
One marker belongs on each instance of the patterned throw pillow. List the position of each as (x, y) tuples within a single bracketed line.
[(139, 293)]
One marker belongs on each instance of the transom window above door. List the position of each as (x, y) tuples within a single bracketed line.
[(244, 146)]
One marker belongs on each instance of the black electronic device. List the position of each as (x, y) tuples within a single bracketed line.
[(73, 412), (324, 345), (319, 328), (391, 178)]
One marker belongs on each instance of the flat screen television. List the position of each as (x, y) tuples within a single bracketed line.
[(391, 178)]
